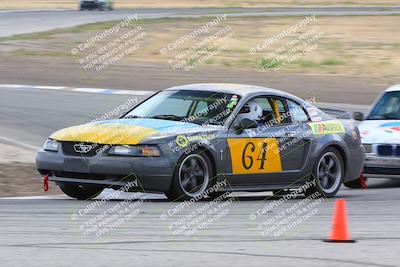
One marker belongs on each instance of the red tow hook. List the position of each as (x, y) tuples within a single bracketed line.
[(363, 182), (46, 183)]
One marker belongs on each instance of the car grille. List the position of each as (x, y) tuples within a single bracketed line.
[(388, 150), (72, 149)]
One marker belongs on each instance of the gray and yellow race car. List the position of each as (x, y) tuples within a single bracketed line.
[(184, 140)]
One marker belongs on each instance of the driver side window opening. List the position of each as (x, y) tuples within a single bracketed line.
[(266, 111)]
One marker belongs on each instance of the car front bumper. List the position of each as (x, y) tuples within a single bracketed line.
[(381, 167), (153, 174)]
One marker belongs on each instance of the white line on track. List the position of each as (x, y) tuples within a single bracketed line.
[(8, 141), (77, 89), (47, 87)]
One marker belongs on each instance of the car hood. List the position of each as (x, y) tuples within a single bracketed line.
[(380, 131), (127, 131)]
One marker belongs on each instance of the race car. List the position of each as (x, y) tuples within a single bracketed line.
[(184, 140), (380, 135), (96, 4)]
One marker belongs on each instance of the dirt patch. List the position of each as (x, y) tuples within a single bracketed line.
[(18, 174), (362, 46), (10, 153), (22, 179)]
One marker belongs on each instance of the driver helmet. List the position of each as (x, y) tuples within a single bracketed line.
[(253, 111)]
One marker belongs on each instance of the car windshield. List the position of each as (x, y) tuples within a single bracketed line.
[(200, 107), (387, 108)]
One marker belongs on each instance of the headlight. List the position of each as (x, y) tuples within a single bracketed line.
[(368, 148), (51, 145), (135, 151)]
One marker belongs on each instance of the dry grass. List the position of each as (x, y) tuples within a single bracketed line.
[(360, 45), (72, 4)]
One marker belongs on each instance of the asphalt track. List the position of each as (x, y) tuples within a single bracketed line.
[(45, 231), (17, 22)]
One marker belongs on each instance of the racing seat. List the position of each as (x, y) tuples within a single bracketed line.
[(267, 116)]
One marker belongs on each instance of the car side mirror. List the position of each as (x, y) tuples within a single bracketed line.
[(358, 116), (244, 124)]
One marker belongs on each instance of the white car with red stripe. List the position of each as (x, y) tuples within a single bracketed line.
[(380, 135)]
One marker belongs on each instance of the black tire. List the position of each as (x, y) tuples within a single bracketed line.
[(185, 183), (327, 181), (81, 192), (356, 184)]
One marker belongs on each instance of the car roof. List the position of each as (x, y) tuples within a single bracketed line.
[(244, 90), (393, 88)]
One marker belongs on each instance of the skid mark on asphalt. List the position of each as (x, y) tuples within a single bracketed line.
[(284, 239), (230, 253)]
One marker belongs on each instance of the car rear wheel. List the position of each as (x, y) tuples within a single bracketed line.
[(328, 174), (191, 177), (81, 192)]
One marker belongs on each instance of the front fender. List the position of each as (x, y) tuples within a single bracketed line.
[(333, 140), (213, 150)]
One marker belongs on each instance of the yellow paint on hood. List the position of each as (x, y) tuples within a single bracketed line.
[(112, 134)]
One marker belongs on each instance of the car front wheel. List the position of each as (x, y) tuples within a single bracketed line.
[(328, 174), (81, 192), (191, 177)]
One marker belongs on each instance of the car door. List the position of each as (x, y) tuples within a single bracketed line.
[(268, 154), (298, 137)]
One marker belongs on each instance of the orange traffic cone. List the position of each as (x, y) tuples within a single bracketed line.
[(339, 231)]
